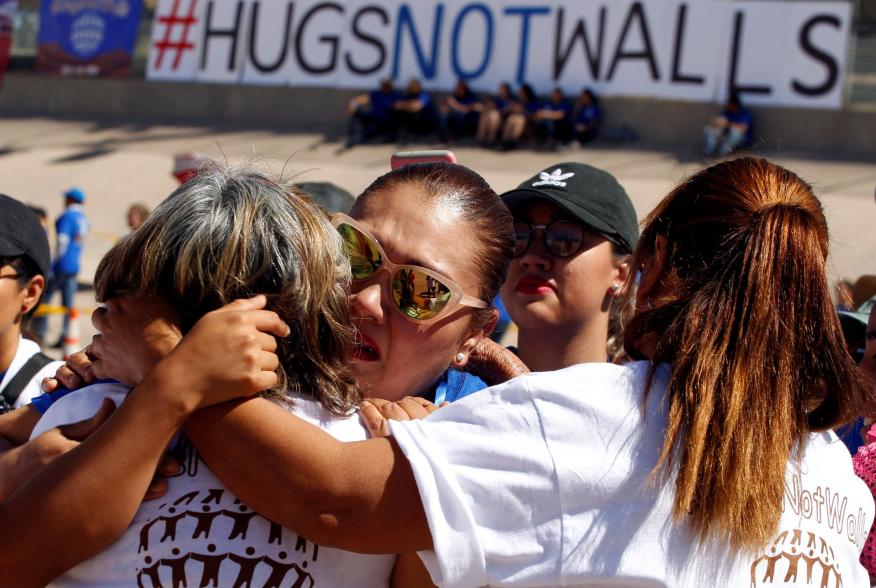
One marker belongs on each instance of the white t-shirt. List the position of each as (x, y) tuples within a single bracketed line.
[(27, 349), (199, 534), (543, 481)]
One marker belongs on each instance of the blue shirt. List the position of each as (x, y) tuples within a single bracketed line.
[(381, 104), (71, 228), (741, 116), (589, 115), (531, 107), (42, 402), (563, 106), (468, 99), (455, 384), (851, 435)]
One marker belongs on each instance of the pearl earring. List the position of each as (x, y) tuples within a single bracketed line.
[(615, 286), (460, 357)]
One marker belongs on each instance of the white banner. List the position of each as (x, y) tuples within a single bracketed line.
[(784, 53)]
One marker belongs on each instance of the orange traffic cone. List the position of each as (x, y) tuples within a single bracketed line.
[(70, 343)]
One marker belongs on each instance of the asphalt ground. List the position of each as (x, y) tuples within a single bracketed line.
[(119, 164)]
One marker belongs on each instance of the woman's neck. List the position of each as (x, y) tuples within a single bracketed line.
[(556, 348), (8, 347)]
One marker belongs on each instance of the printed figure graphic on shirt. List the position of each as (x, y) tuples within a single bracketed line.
[(210, 575), (279, 570), (201, 534), (219, 534), (781, 563), (247, 568)]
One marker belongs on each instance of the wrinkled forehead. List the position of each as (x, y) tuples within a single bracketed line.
[(414, 228)]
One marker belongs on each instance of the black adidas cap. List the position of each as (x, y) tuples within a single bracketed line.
[(22, 235), (590, 195)]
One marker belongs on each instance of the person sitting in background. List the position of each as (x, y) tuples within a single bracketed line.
[(553, 120), (459, 114), (521, 115), (137, 215), (24, 264), (415, 111), (372, 115), (588, 118), (496, 110), (731, 130)]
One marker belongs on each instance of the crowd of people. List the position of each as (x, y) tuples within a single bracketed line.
[(505, 120), (338, 416), (501, 121)]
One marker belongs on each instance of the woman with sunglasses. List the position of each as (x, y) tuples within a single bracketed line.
[(574, 229), (428, 245), (710, 462)]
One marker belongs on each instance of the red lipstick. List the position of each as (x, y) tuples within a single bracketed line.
[(533, 285)]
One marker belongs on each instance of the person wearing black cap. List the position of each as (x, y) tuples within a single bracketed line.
[(575, 228), (24, 265)]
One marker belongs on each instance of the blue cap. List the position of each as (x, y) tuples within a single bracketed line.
[(75, 194)]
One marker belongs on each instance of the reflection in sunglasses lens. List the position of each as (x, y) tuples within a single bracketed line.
[(564, 239), (418, 295), (364, 255)]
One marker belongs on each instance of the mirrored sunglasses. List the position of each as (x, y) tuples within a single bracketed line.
[(562, 238), (418, 293)]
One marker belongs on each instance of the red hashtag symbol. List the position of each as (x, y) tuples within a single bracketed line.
[(170, 23)]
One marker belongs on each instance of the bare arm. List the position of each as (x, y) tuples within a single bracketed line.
[(69, 500), (356, 496), (17, 425)]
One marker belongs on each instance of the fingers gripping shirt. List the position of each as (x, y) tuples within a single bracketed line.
[(543, 481)]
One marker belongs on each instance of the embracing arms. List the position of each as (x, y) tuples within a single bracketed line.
[(84, 499), (357, 496)]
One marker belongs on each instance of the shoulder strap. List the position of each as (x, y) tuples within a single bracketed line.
[(16, 385)]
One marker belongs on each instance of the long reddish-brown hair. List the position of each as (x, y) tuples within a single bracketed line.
[(743, 315)]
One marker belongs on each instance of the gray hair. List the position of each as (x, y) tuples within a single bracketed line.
[(236, 232)]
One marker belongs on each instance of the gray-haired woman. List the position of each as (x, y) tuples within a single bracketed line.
[(225, 235)]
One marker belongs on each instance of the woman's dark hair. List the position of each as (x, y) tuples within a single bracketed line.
[(589, 93), (744, 318), (528, 92), (481, 208)]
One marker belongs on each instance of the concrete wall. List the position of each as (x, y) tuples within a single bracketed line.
[(663, 123)]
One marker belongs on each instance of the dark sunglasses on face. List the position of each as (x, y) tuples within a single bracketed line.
[(419, 294), (562, 238)]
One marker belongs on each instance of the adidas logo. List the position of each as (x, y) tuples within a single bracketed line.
[(555, 178)]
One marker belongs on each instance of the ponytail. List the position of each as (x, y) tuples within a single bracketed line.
[(756, 352)]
